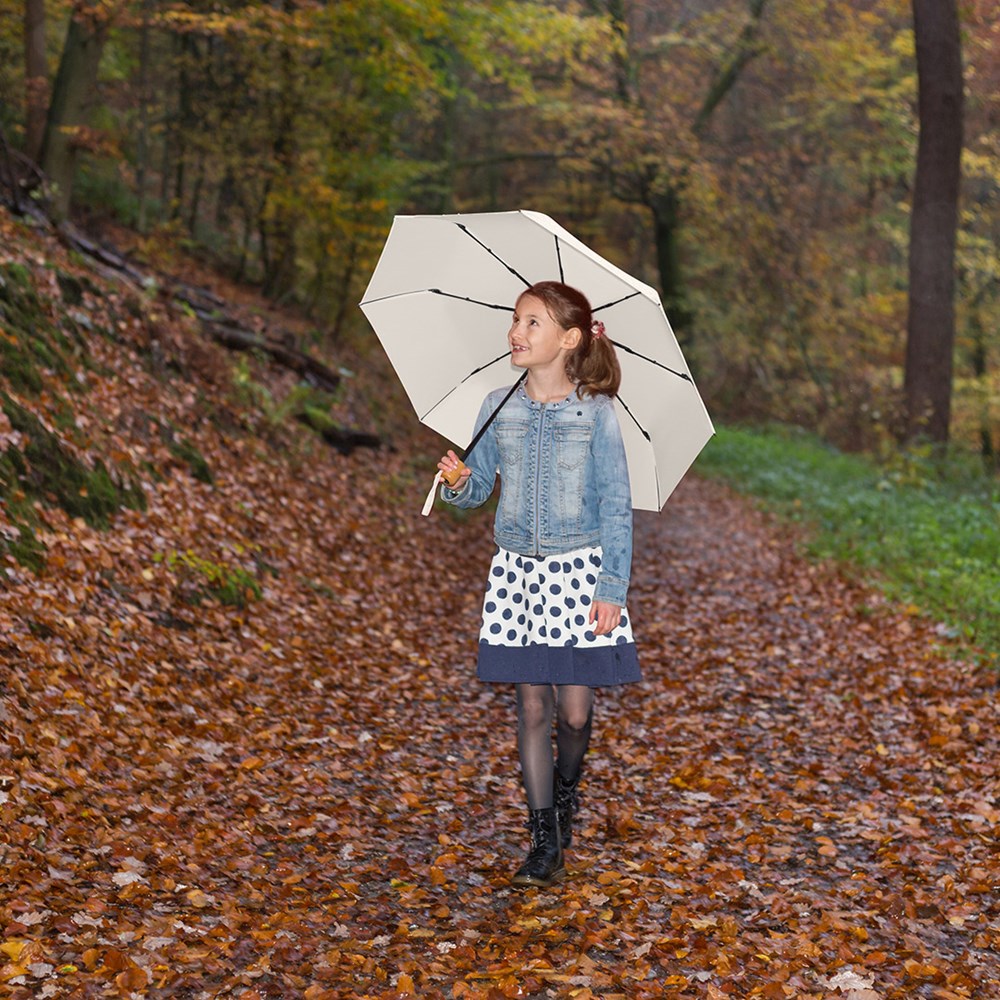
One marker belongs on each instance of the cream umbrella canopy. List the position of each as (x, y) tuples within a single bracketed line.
[(452, 281)]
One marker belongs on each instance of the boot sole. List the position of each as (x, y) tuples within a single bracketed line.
[(529, 881)]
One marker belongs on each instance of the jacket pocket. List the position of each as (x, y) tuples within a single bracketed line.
[(511, 443), (571, 447), (571, 444)]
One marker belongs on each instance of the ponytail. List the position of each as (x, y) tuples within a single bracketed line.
[(593, 364)]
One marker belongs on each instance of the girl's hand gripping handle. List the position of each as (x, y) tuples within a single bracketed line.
[(454, 471)]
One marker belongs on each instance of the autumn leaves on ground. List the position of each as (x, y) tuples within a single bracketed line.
[(311, 796)]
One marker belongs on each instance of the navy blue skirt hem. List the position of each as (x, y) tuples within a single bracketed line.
[(603, 666)]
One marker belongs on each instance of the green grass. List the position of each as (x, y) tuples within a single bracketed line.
[(924, 531)]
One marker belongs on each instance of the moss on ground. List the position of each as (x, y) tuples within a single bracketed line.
[(30, 344), (185, 451), (18, 536), (39, 470), (44, 470)]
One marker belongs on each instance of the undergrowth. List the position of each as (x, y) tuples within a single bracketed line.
[(228, 583), (43, 470), (926, 532)]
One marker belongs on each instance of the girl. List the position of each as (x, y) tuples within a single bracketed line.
[(553, 615)]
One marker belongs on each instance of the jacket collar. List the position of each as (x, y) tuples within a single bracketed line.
[(534, 404)]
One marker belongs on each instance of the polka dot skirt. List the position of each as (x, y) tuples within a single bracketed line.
[(536, 624)]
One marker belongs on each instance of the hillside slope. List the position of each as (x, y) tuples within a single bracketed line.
[(112, 395)]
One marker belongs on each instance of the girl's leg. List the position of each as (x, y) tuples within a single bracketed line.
[(575, 715), (535, 704), (544, 863)]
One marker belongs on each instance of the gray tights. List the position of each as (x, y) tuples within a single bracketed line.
[(573, 705)]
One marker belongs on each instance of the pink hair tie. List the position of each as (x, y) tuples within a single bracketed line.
[(597, 328)]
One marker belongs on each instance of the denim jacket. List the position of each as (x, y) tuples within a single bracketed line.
[(563, 481)]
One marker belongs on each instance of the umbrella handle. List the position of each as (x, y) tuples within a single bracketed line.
[(451, 477)]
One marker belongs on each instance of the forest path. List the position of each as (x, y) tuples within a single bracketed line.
[(315, 798)]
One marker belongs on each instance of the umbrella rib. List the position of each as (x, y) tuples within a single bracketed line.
[(562, 276), (476, 371), (465, 298), (608, 305), (642, 430), (645, 434), (465, 230), (653, 361)]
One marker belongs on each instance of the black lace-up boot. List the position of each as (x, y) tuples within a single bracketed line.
[(567, 805), (544, 864)]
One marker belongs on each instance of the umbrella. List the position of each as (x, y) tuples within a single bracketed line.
[(440, 301)]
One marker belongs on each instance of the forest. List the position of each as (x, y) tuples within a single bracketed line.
[(244, 752), (754, 160)]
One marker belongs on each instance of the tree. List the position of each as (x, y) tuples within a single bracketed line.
[(72, 93), (36, 77), (665, 124), (931, 324), (796, 261)]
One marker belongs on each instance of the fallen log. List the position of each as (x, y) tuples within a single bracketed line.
[(238, 338), (210, 309), (343, 439)]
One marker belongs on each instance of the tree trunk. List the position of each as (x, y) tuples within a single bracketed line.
[(185, 125), (142, 151), (36, 75), (199, 183), (930, 334), (72, 93), (729, 71), (979, 370), (666, 230), (666, 207), (279, 232)]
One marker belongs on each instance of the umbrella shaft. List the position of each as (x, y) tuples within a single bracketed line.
[(489, 420)]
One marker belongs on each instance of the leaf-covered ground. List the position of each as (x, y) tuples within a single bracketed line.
[(312, 796)]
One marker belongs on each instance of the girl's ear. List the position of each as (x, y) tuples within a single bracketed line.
[(571, 338)]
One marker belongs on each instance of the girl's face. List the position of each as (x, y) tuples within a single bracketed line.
[(536, 339)]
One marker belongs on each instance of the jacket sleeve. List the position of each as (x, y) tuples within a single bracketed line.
[(614, 498), (484, 463)]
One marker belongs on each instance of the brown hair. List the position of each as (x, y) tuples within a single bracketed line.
[(593, 364)]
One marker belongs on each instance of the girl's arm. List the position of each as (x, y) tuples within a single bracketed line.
[(483, 464), (615, 508)]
